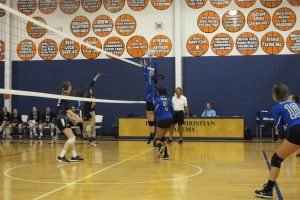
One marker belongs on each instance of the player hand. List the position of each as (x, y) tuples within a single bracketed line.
[(97, 76)]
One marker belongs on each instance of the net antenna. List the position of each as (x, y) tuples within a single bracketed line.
[(66, 35)]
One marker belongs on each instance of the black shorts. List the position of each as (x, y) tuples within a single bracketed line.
[(283, 135), (165, 123), (149, 106), (178, 117), (86, 115), (62, 124), (294, 135)]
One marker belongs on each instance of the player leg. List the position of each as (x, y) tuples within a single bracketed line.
[(51, 125), (41, 128), (172, 128), (20, 130), (180, 127)]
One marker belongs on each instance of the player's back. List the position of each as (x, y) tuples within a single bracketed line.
[(163, 108), (287, 112)]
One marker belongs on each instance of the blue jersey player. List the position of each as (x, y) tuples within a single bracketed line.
[(288, 113), (164, 118), (149, 98)]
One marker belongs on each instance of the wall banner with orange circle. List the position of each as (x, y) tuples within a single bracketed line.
[(2, 12), (259, 19), (197, 45), (103, 25), (47, 6), (137, 5), (114, 45), (69, 49), (27, 7), (69, 6), (36, 31), (26, 50), (233, 20), (270, 3), (222, 44), (88, 52), (125, 25), (2, 50), (293, 42), (48, 49), (247, 43), (91, 6), (220, 3), (284, 19), (162, 45), (161, 4), (114, 6), (80, 26), (272, 43), (208, 21), (196, 4), (294, 2), (245, 3), (137, 46)]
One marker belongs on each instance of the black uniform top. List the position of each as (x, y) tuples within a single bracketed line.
[(87, 93), (16, 119), (47, 118), (61, 109), (34, 116), (5, 117)]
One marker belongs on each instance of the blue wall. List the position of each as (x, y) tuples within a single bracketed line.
[(120, 81), (239, 85)]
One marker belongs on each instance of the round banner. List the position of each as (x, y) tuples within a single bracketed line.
[(208, 21), (27, 7), (2, 50), (294, 2), (47, 49), (47, 6), (259, 19), (197, 45), (245, 3), (88, 52), (69, 49), (247, 43), (270, 3), (125, 25), (36, 31), (272, 43), (114, 45), (195, 4), (284, 19), (26, 50), (137, 46), (103, 25), (161, 45), (69, 6), (114, 6), (2, 12), (91, 6), (161, 4), (293, 42), (233, 20), (80, 26), (220, 3), (137, 5), (222, 44)]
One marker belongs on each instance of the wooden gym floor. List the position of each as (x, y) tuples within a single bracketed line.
[(130, 170)]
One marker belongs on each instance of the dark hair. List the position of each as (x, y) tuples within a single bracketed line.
[(65, 87), (295, 98), (281, 91), (162, 91)]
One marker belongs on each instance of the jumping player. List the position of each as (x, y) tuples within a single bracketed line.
[(149, 98), (164, 116), (63, 115), (288, 113)]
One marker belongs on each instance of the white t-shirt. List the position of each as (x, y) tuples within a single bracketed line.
[(179, 103)]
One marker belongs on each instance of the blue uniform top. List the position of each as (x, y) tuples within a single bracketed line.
[(286, 113), (163, 108), (149, 88)]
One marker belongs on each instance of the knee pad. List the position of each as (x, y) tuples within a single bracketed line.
[(71, 140), (276, 161), (151, 123), (163, 139)]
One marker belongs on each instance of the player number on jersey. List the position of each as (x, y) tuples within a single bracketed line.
[(293, 109)]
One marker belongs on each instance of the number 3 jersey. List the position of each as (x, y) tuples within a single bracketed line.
[(286, 113)]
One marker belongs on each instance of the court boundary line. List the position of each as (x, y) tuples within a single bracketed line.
[(88, 176), (278, 192)]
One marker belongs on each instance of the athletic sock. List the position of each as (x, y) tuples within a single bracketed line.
[(166, 151), (74, 154), (63, 153), (270, 184)]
